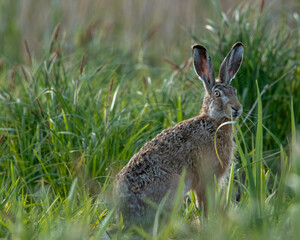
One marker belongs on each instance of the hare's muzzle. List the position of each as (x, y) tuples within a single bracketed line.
[(236, 111)]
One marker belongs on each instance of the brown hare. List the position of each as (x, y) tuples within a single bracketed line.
[(156, 169)]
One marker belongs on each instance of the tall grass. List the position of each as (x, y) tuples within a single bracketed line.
[(72, 114)]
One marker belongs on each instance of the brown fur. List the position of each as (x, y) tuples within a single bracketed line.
[(155, 170)]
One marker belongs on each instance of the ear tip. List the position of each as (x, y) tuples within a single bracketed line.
[(198, 47), (238, 44)]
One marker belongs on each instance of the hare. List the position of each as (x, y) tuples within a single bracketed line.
[(156, 169)]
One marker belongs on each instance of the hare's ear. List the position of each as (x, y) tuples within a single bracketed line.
[(231, 63), (203, 67)]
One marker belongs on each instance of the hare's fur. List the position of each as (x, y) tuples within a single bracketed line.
[(156, 169)]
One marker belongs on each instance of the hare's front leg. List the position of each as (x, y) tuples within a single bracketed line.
[(201, 201), (202, 194)]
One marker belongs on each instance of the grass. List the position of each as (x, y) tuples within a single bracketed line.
[(77, 108)]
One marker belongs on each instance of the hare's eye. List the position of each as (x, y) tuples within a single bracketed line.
[(217, 93)]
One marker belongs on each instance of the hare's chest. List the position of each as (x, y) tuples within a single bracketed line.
[(214, 155), (224, 153)]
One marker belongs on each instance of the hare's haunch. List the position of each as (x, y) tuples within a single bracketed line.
[(155, 170)]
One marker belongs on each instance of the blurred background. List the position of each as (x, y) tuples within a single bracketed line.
[(158, 27)]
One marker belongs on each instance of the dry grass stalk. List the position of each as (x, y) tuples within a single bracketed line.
[(82, 63), (12, 80), (55, 36), (40, 107), (24, 74), (2, 138), (28, 52), (145, 83)]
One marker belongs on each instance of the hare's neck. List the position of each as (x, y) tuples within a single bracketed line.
[(205, 105), (225, 127)]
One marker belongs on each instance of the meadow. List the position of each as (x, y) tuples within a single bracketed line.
[(85, 84)]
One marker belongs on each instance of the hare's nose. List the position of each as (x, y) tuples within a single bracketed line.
[(235, 112)]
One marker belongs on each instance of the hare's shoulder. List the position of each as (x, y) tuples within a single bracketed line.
[(185, 131)]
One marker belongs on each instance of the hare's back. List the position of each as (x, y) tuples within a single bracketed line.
[(170, 150)]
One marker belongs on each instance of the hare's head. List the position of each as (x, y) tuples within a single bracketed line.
[(221, 99)]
